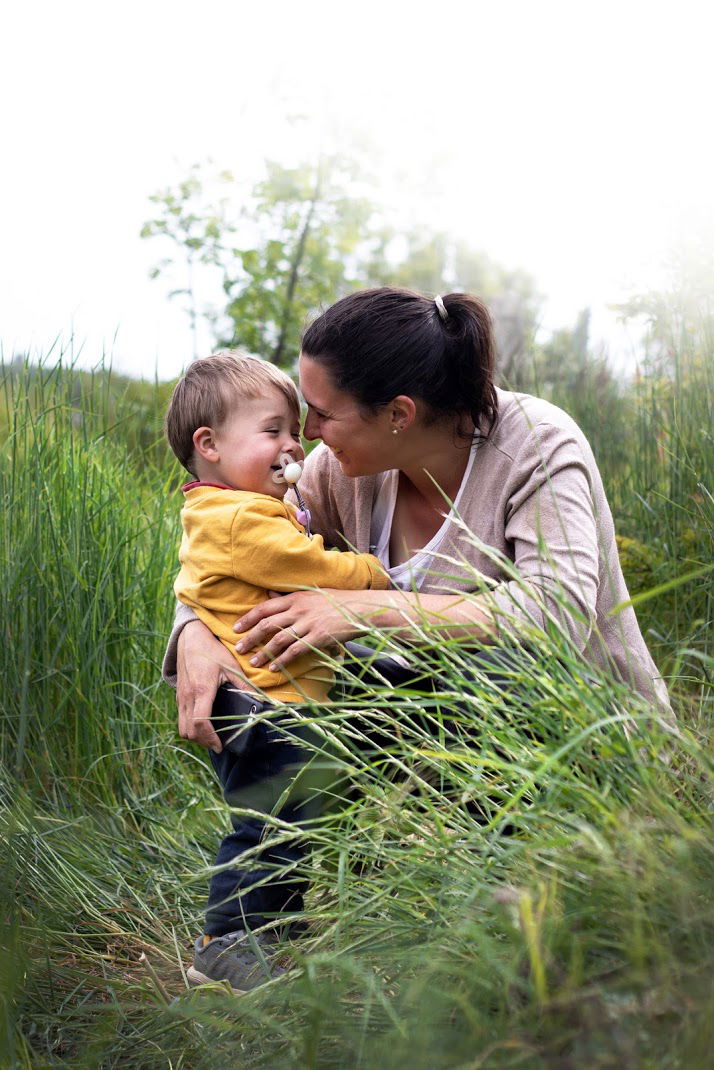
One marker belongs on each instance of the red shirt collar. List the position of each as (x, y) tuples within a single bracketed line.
[(199, 483)]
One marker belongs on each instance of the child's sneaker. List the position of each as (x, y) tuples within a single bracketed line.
[(245, 960)]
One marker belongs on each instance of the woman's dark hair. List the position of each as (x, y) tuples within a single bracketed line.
[(377, 344)]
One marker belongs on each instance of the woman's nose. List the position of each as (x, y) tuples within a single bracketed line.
[(310, 429)]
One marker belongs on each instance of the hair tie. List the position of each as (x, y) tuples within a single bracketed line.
[(441, 307)]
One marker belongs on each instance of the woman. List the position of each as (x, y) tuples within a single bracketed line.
[(399, 388)]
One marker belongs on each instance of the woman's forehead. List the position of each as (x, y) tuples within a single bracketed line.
[(316, 386)]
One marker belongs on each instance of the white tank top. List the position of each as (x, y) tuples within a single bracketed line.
[(410, 575)]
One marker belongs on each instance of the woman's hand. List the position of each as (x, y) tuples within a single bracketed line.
[(290, 624), (200, 672)]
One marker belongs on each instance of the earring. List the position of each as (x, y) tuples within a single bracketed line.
[(395, 431)]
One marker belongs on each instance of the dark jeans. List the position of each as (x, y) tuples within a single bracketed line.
[(261, 774), (262, 777)]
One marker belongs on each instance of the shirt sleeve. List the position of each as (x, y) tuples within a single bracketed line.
[(269, 551), (551, 524), (183, 616)]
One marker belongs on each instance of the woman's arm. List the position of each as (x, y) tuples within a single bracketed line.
[(286, 627), (193, 665), (169, 668)]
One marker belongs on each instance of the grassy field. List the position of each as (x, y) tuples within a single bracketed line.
[(528, 888)]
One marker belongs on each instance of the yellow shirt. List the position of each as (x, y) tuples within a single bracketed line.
[(236, 547)]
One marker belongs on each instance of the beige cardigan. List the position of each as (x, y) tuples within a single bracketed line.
[(535, 503)]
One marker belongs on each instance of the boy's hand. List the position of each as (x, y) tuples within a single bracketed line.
[(199, 675)]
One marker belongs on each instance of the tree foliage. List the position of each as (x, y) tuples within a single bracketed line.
[(283, 248), (303, 236), (567, 371)]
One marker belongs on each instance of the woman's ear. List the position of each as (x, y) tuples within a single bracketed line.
[(204, 443), (402, 412)]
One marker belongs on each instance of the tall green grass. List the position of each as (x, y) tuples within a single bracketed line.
[(88, 549), (521, 883), (654, 444)]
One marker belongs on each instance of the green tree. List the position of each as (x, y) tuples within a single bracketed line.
[(679, 314), (302, 237), (567, 372), (290, 245), (194, 233)]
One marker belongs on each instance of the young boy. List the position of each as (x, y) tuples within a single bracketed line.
[(232, 422)]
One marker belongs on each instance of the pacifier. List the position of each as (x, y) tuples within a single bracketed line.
[(290, 471)]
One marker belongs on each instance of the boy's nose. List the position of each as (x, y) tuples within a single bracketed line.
[(292, 448)]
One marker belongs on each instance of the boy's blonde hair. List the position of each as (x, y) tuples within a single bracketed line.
[(213, 388)]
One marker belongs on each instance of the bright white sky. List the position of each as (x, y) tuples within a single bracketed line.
[(571, 139)]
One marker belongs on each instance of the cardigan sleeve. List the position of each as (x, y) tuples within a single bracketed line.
[(550, 522), (183, 616)]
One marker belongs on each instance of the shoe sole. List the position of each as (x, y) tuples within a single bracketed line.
[(195, 977)]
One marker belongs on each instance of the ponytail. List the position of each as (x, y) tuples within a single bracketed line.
[(377, 344), (469, 352)]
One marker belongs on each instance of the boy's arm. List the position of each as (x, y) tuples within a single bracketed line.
[(269, 551)]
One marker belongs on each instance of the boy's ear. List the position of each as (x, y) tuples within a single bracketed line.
[(204, 443)]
